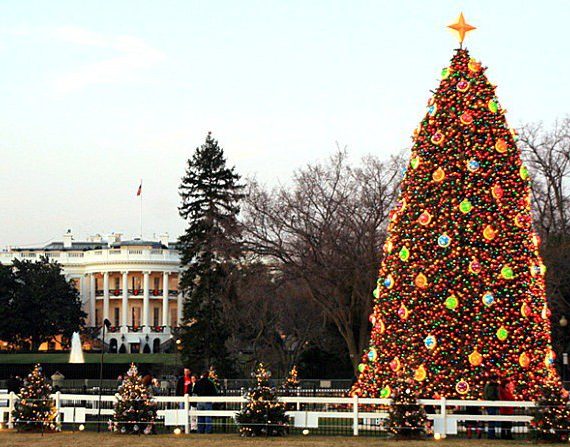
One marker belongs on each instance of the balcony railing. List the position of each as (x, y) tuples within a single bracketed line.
[(137, 292)]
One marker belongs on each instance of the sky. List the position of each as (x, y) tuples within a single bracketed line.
[(95, 95)]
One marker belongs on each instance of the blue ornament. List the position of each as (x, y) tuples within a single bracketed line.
[(488, 299), (389, 282), (473, 165), (430, 342), (443, 240), (372, 355)]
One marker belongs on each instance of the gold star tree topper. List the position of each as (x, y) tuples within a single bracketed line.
[(461, 27)]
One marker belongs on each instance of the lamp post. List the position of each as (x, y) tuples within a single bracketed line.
[(106, 325), (563, 324)]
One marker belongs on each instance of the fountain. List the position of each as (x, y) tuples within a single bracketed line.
[(76, 355)]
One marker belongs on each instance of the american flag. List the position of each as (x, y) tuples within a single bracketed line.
[(139, 191)]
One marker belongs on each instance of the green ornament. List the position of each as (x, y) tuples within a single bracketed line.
[(524, 172), (507, 272), (502, 333), (376, 293), (465, 206), (404, 254), (493, 106), (451, 302), (385, 392), (415, 162), (361, 367), (445, 73)]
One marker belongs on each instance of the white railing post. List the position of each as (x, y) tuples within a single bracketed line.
[(11, 407), (186, 414), (57, 406), (443, 411), (298, 395), (355, 415)]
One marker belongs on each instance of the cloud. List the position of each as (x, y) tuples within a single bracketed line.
[(132, 55)]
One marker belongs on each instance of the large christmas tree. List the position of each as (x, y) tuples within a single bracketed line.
[(461, 292)]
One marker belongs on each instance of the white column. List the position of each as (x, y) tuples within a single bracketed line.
[(179, 306), (92, 299), (105, 295), (146, 299), (165, 299), (83, 293), (125, 301)]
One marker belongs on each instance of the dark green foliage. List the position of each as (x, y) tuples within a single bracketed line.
[(209, 249), (552, 414), (263, 414), (35, 410), (406, 418), (135, 412), (37, 303)]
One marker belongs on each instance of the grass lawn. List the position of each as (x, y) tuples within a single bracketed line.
[(65, 439), (169, 359)]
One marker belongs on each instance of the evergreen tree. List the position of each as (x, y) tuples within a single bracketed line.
[(135, 412), (461, 288), (210, 193), (35, 409), (552, 414), (263, 413), (406, 418)]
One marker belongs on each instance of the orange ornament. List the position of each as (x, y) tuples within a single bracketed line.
[(524, 360), (489, 233), (438, 175), (420, 374), (501, 146), (421, 281), (475, 358)]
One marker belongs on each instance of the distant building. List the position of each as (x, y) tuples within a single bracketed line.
[(132, 283)]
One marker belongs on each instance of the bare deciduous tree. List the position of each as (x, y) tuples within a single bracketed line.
[(325, 231), (547, 153)]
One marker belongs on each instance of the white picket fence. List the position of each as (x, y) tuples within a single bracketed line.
[(305, 412)]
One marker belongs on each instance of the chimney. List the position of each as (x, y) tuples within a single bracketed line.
[(67, 239), (163, 238)]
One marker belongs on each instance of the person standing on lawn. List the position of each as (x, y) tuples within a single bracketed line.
[(491, 392), (205, 387), (506, 389)]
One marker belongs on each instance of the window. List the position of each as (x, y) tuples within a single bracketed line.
[(116, 316), (96, 283), (155, 315), (117, 283), (156, 283), (133, 282), (97, 318)]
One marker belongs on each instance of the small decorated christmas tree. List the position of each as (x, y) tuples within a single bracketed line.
[(35, 410), (407, 419), (263, 414), (135, 412), (291, 383), (552, 415)]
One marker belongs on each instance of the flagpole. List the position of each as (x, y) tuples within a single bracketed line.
[(141, 195)]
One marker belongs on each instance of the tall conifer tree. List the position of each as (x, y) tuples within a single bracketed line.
[(210, 247)]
